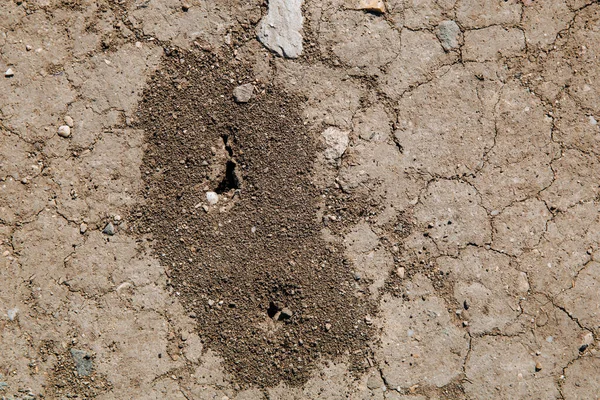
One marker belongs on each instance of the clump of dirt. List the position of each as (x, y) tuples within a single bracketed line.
[(269, 294)]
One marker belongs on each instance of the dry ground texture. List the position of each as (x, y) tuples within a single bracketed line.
[(408, 199)]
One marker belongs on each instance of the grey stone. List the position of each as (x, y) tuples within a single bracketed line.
[(83, 362), (447, 32), (243, 93), (109, 229), (286, 313), (279, 30)]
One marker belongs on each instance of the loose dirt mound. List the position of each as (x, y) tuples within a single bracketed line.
[(269, 294)]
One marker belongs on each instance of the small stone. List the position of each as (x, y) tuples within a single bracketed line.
[(9, 73), (186, 5), (286, 313), (583, 348), (368, 320), (212, 198), (377, 6), (205, 207), (24, 181), (243, 93), (448, 32), (538, 366), (327, 327), (69, 121), (279, 30), (374, 382), (64, 131), (12, 313), (83, 362), (211, 303), (83, 228), (401, 272), (109, 229), (336, 141), (587, 338)]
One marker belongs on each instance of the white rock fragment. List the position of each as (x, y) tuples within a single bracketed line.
[(9, 73), (69, 121), (243, 93), (212, 198), (336, 141), (280, 29), (448, 33), (401, 272), (64, 131), (593, 120), (377, 6), (12, 313)]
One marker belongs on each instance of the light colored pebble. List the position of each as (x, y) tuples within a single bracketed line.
[(400, 272), (12, 313), (64, 131), (69, 121), (9, 73), (212, 198), (377, 6)]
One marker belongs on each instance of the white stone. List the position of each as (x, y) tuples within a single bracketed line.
[(280, 29), (448, 33), (336, 142), (12, 313), (69, 121), (212, 198), (372, 5), (9, 72), (64, 131), (243, 93)]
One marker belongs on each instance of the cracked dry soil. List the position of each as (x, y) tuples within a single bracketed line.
[(408, 210)]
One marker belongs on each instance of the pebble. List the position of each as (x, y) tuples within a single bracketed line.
[(28, 47), (12, 313), (64, 131), (279, 30), (538, 366), (69, 121), (211, 303), (327, 327), (9, 73), (243, 93), (83, 362), (377, 6), (186, 5), (83, 228), (400, 272), (447, 32), (286, 313), (109, 229), (337, 142), (212, 198)]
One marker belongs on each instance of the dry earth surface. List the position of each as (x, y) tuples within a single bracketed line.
[(403, 199)]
